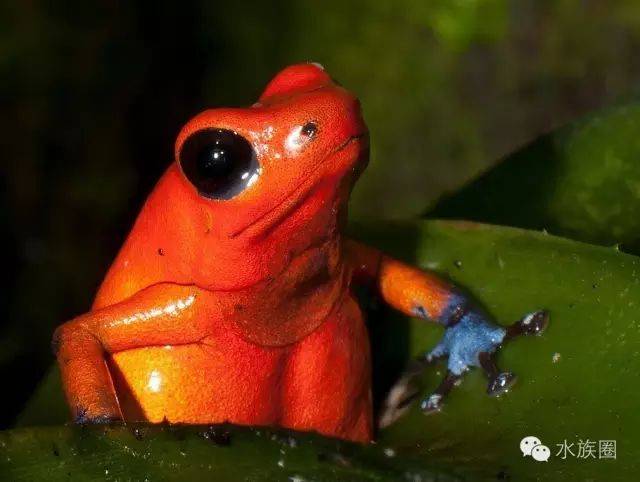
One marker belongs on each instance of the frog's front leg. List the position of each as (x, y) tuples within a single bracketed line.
[(470, 337), (160, 315)]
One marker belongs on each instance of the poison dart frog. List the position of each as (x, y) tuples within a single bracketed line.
[(231, 299)]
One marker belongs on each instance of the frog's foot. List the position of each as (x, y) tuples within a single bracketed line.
[(472, 340), (532, 324)]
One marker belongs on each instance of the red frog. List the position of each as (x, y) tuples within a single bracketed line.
[(231, 299)]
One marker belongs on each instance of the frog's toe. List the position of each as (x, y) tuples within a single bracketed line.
[(83, 419), (432, 404), (501, 383), (439, 352), (534, 323)]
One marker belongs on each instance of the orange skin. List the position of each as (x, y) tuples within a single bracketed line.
[(241, 310)]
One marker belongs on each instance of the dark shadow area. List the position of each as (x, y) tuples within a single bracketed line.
[(131, 408), (388, 329), (577, 182), (90, 117), (513, 194)]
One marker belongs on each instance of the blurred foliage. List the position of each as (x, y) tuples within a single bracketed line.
[(576, 381), (582, 181), (93, 93)]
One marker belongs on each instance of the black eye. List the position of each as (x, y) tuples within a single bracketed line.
[(218, 162), (309, 129)]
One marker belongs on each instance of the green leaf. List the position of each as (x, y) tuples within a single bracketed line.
[(154, 453), (575, 382), (582, 181)]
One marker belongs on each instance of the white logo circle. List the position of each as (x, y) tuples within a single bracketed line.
[(541, 453), (528, 443)]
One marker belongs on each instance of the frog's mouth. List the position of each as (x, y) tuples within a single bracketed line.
[(294, 199)]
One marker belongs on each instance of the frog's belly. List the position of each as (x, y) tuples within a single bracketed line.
[(199, 384)]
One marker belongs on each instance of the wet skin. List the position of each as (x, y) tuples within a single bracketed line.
[(231, 299)]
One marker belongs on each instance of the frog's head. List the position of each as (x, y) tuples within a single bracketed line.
[(256, 167), (263, 182)]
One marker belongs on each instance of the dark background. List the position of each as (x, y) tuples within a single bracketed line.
[(92, 95)]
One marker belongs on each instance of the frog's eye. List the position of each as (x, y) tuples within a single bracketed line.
[(218, 162)]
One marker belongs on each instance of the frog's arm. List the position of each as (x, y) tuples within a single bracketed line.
[(470, 337), (158, 315), (409, 290)]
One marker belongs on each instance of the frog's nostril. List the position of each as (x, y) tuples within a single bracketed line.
[(309, 129)]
